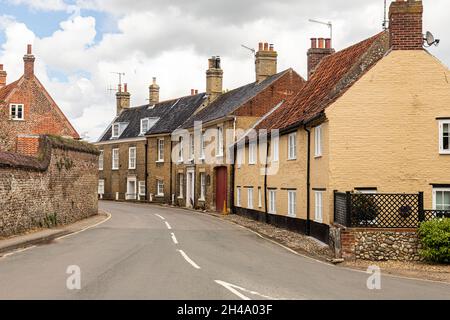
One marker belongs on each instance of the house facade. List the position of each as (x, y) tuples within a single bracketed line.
[(27, 110), (372, 118)]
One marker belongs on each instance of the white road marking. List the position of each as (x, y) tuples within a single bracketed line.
[(159, 216), (16, 251), (232, 288), (87, 228), (174, 239), (185, 256), (168, 226)]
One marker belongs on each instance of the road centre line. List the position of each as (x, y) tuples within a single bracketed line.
[(185, 256), (168, 226), (159, 216), (174, 239)]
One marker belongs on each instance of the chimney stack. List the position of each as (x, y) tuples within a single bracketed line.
[(3, 75), (154, 93), (405, 25), (320, 48), (28, 60), (266, 61), (214, 78), (123, 98)]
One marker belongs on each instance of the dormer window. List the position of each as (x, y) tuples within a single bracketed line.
[(16, 111), (147, 124), (118, 129)]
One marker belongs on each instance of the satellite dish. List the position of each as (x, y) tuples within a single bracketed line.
[(430, 40)]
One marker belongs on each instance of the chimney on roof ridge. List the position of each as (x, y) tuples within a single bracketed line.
[(122, 98), (28, 60), (320, 48), (405, 25), (265, 62), (3, 75), (214, 78), (153, 93)]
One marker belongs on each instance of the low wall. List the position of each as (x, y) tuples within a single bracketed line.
[(59, 186)]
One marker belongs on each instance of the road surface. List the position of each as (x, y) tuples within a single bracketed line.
[(152, 252)]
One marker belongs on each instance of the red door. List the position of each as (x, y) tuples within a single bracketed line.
[(221, 188)]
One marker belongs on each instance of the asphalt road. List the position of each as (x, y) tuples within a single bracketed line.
[(151, 252)]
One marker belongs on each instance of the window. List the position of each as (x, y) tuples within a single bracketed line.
[(319, 206), (240, 155), (238, 196), (259, 197), (318, 141), (250, 198), (180, 150), (252, 148), (181, 180), (275, 148), (292, 203), (219, 145), (160, 188), (115, 159), (100, 160), (441, 199), (16, 111), (116, 130), (132, 158), (191, 147), (142, 188), (444, 137), (292, 146), (160, 150), (272, 201), (202, 146), (101, 187), (145, 126), (202, 186)]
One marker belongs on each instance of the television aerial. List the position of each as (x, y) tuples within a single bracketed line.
[(430, 40), (329, 24), (249, 49)]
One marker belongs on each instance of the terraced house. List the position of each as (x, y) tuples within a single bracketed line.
[(372, 118)]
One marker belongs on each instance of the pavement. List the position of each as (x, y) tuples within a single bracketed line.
[(152, 252)]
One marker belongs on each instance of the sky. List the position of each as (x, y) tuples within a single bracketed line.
[(80, 44)]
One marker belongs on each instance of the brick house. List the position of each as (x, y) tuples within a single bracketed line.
[(203, 163), (27, 110), (372, 118)]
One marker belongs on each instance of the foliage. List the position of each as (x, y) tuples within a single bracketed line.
[(365, 208), (435, 238)]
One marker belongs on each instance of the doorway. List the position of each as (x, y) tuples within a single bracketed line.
[(131, 188), (221, 188), (190, 188)]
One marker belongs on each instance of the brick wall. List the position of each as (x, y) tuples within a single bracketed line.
[(27, 145), (405, 25), (59, 185)]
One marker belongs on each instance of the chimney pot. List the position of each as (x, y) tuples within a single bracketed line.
[(28, 60), (320, 48), (313, 43), (196, 91), (29, 49), (266, 46), (328, 43), (260, 47), (192, 92), (1, 67), (321, 43), (214, 78), (3, 75), (125, 87), (271, 47)]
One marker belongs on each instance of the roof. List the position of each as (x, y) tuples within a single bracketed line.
[(334, 75), (6, 90), (170, 115), (228, 102)]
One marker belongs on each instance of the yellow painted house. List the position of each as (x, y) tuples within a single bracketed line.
[(372, 118)]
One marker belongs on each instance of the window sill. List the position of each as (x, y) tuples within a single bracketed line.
[(19, 120), (159, 196), (202, 200), (318, 157), (159, 161), (444, 152), (293, 159)]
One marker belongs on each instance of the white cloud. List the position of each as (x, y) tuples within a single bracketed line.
[(46, 5)]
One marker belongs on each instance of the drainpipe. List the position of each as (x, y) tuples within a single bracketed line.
[(171, 174), (265, 181), (146, 169), (308, 184)]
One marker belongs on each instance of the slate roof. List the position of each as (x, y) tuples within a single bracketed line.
[(228, 102), (171, 114), (333, 77)]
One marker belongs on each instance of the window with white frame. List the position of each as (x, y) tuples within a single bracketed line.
[(252, 152), (202, 186), (132, 158), (160, 188), (318, 206), (292, 146), (16, 111), (142, 188), (238, 196), (275, 148), (292, 203), (191, 147), (202, 146), (160, 150), (250, 198), (444, 136), (101, 186), (272, 201), (240, 155), (259, 197), (101, 160), (219, 144), (116, 130), (181, 185), (145, 125), (115, 159), (318, 141), (441, 199), (180, 149)]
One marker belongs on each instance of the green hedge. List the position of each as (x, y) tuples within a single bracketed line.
[(435, 238)]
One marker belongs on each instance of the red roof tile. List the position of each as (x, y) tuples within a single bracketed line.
[(7, 89)]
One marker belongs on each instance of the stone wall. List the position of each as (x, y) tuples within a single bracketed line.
[(59, 186)]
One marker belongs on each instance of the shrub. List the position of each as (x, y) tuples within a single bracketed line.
[(435, 238)]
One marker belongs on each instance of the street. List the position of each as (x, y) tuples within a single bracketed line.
[(152, 252)]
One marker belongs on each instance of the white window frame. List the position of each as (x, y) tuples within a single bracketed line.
[(219, 143), (180, 149), (202, 186), (441, 136), (318, 206), (141, 188), (435, 190), (272, 201), (292, 203), (101, 187), (160, 150), (115, 156), (275, 149), (202, 146), (160, 188), (318, 138), (292, 146), (181, 185), (238, 196), (250, 198), (132, 158), (113, 130), (101, 160), (16, 106), (240, 155), (191, 146), (259, 197), (252, 152), (145, 120)]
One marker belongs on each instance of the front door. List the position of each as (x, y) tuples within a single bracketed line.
[(190, 189), (221, 188), (131, 189)]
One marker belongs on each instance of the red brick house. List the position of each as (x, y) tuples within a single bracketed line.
[(28, 110)]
